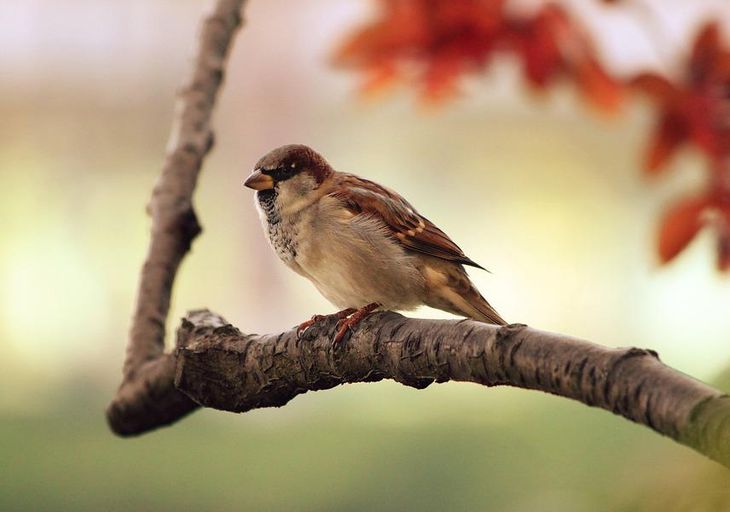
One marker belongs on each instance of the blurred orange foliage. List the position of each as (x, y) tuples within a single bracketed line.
[(434, 43), (695, 110)]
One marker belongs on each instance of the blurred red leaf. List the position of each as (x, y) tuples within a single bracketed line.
[(534, 40), (706, 54), (679, 226), (433, 43), (670, 133), (575, 57), (723, 238), (723, 251), (696, 109), (378, 78), (654, 85), (598, 87)]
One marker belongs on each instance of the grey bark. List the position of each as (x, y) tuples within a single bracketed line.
[(218, 366)]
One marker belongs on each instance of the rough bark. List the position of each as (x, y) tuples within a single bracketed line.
[(215, 365), (218, 366)]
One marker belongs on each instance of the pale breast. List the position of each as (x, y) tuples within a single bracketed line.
[(353, 262), (349, 258)]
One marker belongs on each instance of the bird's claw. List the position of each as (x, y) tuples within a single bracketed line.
[(347, 319), (350, 321), (302, 328), (342, 327)]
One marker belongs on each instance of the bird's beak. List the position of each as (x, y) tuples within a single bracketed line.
[(259, 181)]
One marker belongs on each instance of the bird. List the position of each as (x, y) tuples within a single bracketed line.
[(362, 245)]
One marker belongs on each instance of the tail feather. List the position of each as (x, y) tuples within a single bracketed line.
[(482, 311), (450, 289)]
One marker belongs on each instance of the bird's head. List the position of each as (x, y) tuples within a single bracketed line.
[(292, 172)]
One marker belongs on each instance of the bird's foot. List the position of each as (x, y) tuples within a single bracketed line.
[(358, 316), (302, 328)]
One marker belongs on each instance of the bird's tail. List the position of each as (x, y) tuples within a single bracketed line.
[(479, 309), (451, 289)]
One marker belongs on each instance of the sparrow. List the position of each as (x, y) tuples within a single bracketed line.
[(362, 245)]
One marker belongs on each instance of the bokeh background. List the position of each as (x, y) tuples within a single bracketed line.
[(542, 192)]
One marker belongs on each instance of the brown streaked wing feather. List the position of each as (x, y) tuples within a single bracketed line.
[(411, 229)]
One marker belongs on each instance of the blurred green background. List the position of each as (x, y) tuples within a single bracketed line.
[(539, 190)]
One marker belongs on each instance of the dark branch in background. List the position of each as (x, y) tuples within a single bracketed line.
[(174, 226), (215, 365)]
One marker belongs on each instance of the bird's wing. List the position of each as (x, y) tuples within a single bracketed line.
[(407, 226)]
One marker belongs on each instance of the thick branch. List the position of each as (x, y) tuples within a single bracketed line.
[(174, 223), (218, 366)]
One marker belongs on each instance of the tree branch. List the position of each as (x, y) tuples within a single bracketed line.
[(215, 365), (218, 366), (174, 223)]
